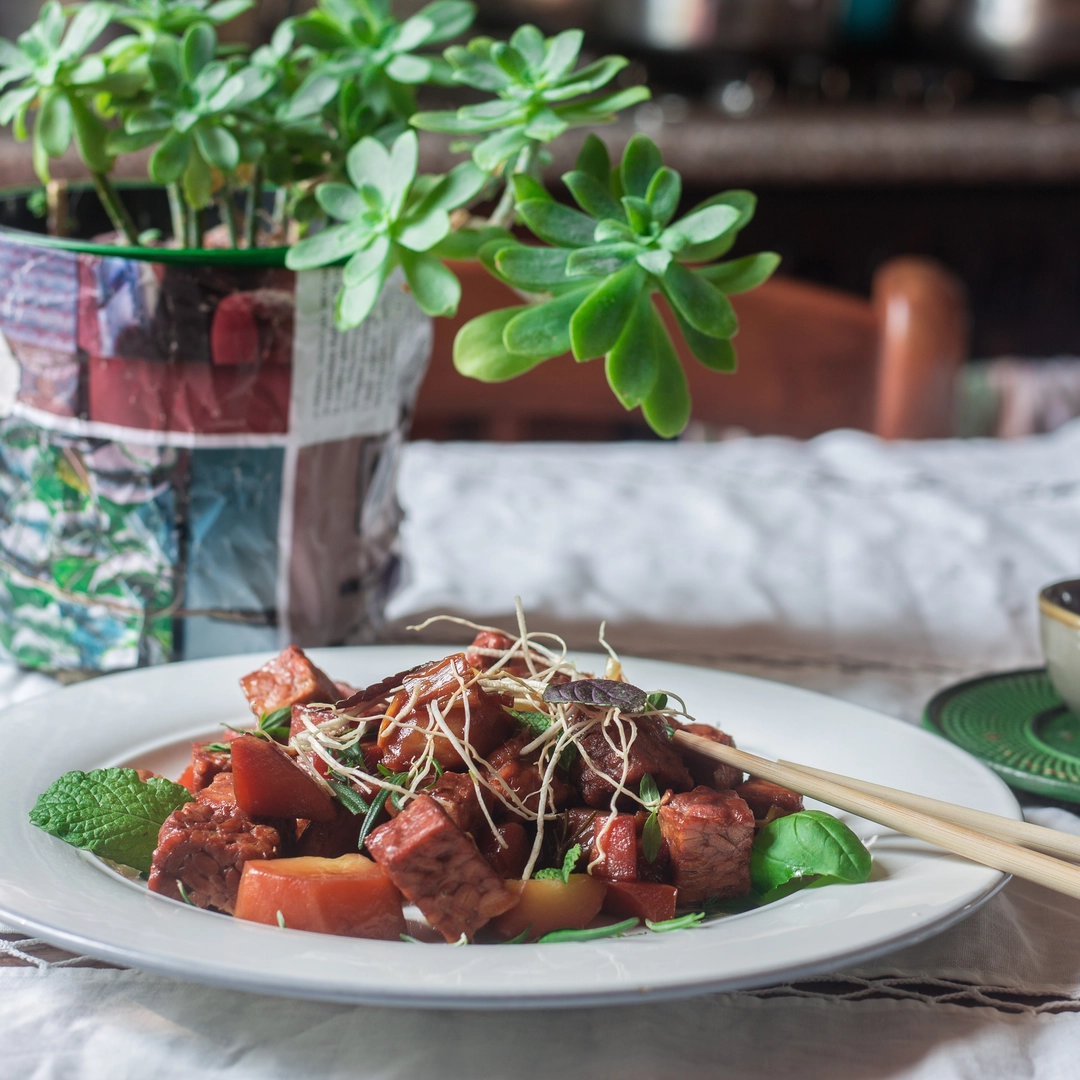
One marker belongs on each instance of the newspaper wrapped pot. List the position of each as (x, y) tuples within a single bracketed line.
[(193, 461)]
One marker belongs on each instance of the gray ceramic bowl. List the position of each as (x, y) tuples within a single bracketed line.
[(1059, 626)]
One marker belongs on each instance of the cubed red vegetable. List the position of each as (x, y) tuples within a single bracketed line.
[(350, 895), (640, 899), (268, 783)]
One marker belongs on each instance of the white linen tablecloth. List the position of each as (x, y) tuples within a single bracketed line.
[(877, 572)]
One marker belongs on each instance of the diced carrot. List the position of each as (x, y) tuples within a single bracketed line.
[(350, 895), (268, 783), (551, 904), (643, 899), (187, 779)]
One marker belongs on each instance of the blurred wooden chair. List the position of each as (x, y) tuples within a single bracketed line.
[(810, 359)]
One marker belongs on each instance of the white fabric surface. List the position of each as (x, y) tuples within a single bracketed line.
[(876, 572)]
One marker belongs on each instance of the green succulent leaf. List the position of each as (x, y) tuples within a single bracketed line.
[(600, 260), (594, 160), (593, 196), (666, 407), (327, 247), (218, 146), (641, 162), (632, 364), (197, 49), (434, 287), (168, 161), (54, 124), (354, 303), (741, 275), (543, 331), (466, 243), (601, 318), (480, 353), (557, 224), (702, 306), (663, 194), (370, 259), (534, 269)]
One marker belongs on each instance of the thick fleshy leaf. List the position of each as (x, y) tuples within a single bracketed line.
[(53, 126), (198, 182), (741, 275), (561, 55), (197, 49), (600, 320), (164, 64), (666, 407), (545, 126), (557, 224), (543, 331), (475, 71), (420, 234), (253, 84), (435, 288), (529, 42), (340, 201), (587, 79), (327, 247), (314, 93), (91, 137), (448, 18), (479, 351), (404, 155), (745, 203), (90, 69), (600, 260), (368, 162), (412, 33), (718, 354), (631, 366), (534, 269), (665, 191), (608, 232), (462, 183), (592, 196), (86, 25), (120, 142), (147, 120), (466, 243), (639, 214), (14, 100), (11, 56), (354, 304), (641, 162), (593, 159), (449, 123), (225, 10), (169, 160), (601, 110), (218, 146), (497, 148), (369, 260), (409, 69), (528, 187), (656, 261), (212, 77), (698, 302), (510, 60), (706, 225)]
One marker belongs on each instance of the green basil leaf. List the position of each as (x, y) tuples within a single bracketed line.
[(168, 161), (663, 195), (557, 224), (666, 408), (434, 287), (479, 351), (598, 322), (543, 331), (741, 275), (698, 302), (809, 844), (593, 196), (641, 162)]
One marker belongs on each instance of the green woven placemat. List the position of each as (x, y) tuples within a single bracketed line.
[(1015, 722)]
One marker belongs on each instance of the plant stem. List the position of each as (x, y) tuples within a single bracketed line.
[(198, 220), (252, 208), (503, 217), (117, 211), (227, 211), (176, 211), (56, 196)]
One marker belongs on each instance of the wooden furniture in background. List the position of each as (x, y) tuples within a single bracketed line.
[(810, 359)]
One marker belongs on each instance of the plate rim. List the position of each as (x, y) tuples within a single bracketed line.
[(197, 970)]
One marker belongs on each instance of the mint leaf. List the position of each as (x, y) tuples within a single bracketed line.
[(538, 723), (110, 812), (570, 860)]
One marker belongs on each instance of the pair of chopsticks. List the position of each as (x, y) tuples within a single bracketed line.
[(1015, 847)]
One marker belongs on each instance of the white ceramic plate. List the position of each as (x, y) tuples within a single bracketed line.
[(148, 718)]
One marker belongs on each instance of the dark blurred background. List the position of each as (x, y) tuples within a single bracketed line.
[(868, 128)]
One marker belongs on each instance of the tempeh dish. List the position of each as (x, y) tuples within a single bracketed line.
[(494, 795)]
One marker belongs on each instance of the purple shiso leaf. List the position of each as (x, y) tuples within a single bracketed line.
[(599, 693)]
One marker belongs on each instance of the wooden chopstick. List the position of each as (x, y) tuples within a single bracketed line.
[(1050, 841), (1052, 873)]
